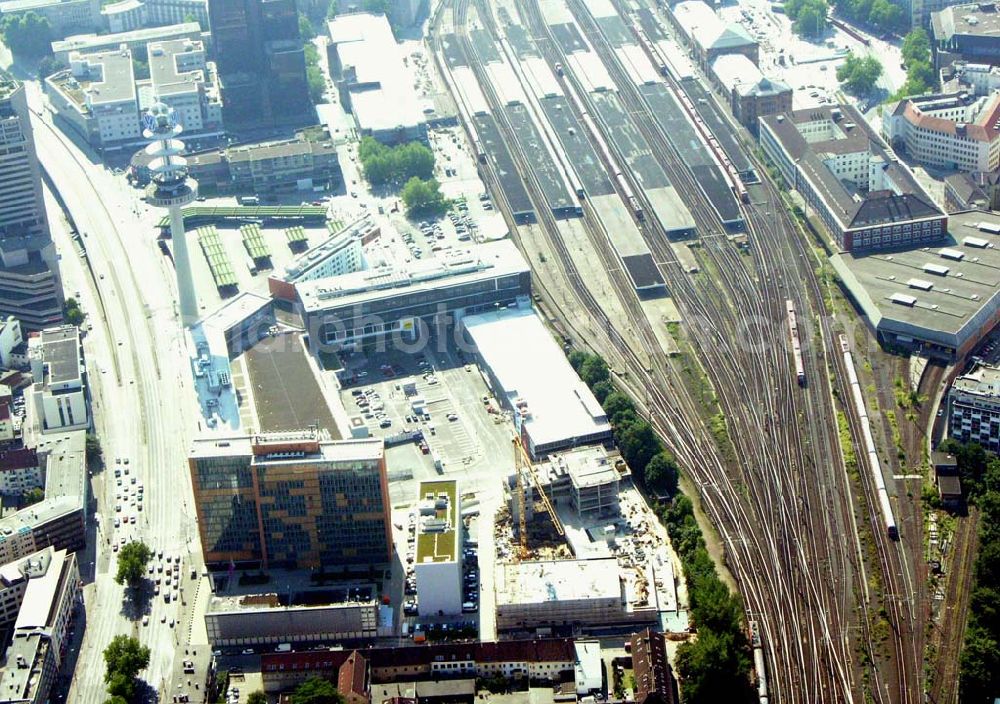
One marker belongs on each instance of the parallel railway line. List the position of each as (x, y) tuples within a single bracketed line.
[(783, 543)]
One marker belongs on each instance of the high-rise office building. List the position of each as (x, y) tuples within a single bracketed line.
[(291, 500), (260, 59), (29, 280)]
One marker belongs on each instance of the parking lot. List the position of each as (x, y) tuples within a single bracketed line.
[(474, 448)]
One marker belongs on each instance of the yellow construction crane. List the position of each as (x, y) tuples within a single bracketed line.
[(522, 465)]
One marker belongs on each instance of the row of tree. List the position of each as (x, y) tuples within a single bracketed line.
[(124, 658), (920, 76), (979, 675), (314, 74), (858, 75), (715, 666), (880, 15), (651, 464), (395, 165)]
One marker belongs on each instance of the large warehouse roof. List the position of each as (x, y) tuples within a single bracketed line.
[(703, 26), (534, 374), (946, 294), (382, 94)]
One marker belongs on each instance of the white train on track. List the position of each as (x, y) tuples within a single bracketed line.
[(874, 464)]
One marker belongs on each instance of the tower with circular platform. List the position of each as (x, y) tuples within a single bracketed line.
[(171, 188)]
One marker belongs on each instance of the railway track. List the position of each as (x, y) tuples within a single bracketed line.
[(783, 477)]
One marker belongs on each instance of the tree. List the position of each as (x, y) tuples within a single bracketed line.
[(885, 16), (424, 198), (395, 165), (858, 75), (618, 406), (32, 496), (29, 34), (594, 370), (602, 390), (316, 690), (140, 68), (49, 65), (92, 448), (576, 359), (376, 6), (316, 83), (662, 473), (916, 46), (306, 30), (191, 17), (638, 443), (713, 668), (920, 79), (132, 561), (73, 314), (116, 700), (257, 697), (333, 9), (808, 16), (811, 22), (121, 686), (124, 658)]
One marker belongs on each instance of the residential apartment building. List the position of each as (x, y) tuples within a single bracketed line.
[(654, 678), (974, 407), (20, 471), (59, 520), (291, 499), (548, 659), (29, 271), (58, 396), (438, 560), (184, 80), (952, 131), (342, 253), (848, 177), (64, 16)]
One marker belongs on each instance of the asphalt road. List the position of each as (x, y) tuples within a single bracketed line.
[(143, 404)]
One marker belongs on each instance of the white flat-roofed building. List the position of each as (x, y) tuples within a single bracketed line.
[(97, 96), (588, 667), (11, 339), (584, 593), (264, 619), (407, 299), (955, 131), (130, 15), (974, 401), (88, 43), (531, 376), (52, 592), (183, 79), (437, 562), (58, 397), (368, 66), (340, 254)]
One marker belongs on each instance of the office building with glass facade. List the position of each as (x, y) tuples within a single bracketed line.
[(291, 500)]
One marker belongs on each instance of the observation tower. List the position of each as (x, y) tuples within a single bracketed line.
[(171, 188)]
